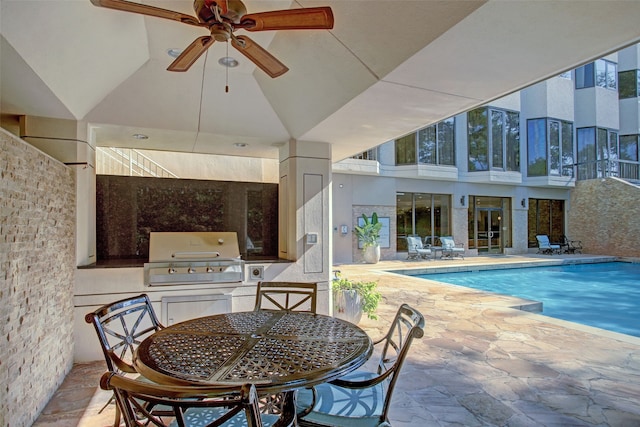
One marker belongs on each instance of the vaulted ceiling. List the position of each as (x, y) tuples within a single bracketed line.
[(386, 68)]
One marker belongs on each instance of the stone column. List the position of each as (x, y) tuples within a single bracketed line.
[(71, 142)]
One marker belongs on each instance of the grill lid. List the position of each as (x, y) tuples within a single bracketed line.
[(192, 246)]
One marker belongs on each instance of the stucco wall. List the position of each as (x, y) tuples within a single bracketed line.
[(37, 267), (605, 215)]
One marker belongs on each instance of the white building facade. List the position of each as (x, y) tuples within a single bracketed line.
[(496, 176)]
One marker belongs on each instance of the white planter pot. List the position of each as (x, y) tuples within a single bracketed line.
[(347, 305), (372, 254)]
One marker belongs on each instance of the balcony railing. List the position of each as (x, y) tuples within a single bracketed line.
[(623, 169), (128, 162)]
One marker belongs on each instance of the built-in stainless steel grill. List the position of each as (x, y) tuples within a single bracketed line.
[(185, 258)]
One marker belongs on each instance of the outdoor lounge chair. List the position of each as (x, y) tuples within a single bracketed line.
[(415, 248), (450, 249), (546, 247), (571, 246)]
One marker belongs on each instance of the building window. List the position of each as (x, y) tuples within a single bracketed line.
[(597, 153), (629, 84), (600, 73), (436, 144), (628, 152), (422, 214), (493, 140), (549, 147), (371, 154), (406, 150), (545, 217)]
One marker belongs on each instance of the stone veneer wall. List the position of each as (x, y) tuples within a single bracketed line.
[(605, 215), (37, 271), (382, 211)]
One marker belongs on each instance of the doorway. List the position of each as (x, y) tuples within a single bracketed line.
[(489, 224)]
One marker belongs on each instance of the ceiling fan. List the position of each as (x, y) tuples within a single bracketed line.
[(222, 18)]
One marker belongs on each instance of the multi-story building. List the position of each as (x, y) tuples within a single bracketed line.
[(496, 176)]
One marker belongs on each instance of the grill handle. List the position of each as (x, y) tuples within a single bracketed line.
[(195, 255)]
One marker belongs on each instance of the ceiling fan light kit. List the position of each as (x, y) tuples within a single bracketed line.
[(222, 18), (227, 61)]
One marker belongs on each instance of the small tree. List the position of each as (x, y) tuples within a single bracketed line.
[(369, 232)]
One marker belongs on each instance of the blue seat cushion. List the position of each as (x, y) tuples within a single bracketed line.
[(339, 406), (200, 417)]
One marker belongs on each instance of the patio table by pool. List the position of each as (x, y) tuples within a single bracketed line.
[(275, 350)]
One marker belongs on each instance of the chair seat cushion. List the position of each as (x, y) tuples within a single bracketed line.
[(344, 406), (200, 417)]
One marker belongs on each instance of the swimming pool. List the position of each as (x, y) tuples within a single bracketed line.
[(604, 295)]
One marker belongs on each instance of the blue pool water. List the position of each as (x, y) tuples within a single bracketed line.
[(605, 295)]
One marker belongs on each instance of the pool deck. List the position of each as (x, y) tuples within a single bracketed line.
[(480, 363)]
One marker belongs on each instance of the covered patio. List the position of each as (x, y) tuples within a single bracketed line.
[(480, 363)]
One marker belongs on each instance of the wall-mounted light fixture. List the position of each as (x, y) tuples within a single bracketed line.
[(461, 200), (523, 202)]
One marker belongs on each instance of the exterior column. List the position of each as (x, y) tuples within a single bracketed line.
[(305, 206), (70, 142)]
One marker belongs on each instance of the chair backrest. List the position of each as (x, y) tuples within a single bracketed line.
[(447, 242), (121, 326), (413, 243), (407, 324), (543, 241), (289, 296), (191, 405), (576, 244)]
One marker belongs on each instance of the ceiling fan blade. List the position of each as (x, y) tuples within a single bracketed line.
[(313, 18), (191, 54), (263, 59), (129, 6)]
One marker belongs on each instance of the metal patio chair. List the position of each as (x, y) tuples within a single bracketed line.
[(363, 398), (571, 246), (450, 248), (545, 246), (121, 326), (415, 248), (191, 406), (289, 296)]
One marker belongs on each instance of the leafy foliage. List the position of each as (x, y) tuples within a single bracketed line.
[(369, 232), (367, 290)]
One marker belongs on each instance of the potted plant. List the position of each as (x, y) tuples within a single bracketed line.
[(351, 299), (368, 234)]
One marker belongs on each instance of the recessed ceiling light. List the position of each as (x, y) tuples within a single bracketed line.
[(240, 144), (174, 53), (227, 61), (140, 136)]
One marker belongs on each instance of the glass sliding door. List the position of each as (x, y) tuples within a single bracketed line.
[(421, 214)]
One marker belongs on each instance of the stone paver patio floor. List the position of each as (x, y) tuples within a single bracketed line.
[(480, 362)]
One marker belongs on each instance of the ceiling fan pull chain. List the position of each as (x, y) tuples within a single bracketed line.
[(226, 87)]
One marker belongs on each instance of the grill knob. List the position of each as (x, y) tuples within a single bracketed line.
[(191, 270)]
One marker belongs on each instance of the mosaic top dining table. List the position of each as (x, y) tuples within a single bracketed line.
[(275, 350)]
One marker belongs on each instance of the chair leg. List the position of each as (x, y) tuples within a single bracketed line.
[(112, 400)]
